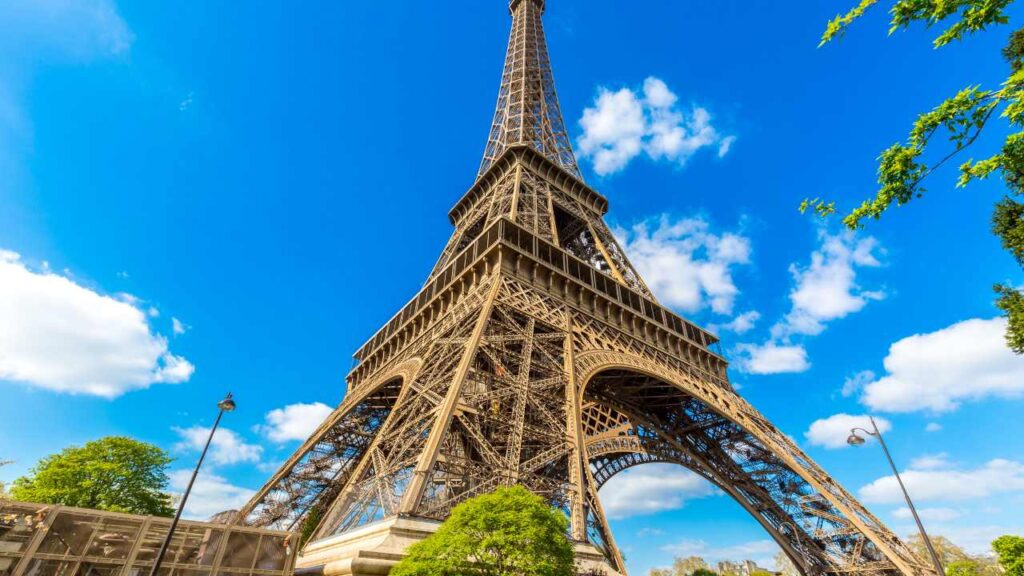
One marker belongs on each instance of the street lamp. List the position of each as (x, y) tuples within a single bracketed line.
[(225, 405), (855, 440)]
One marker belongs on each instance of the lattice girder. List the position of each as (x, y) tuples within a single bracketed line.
[(495, 400), (536, 355), (528, 111), (748, 462), (520, 188)]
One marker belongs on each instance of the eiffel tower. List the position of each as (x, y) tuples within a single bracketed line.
[(535, 354)]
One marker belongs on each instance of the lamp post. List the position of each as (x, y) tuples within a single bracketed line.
[(225, 405), (855, 440)]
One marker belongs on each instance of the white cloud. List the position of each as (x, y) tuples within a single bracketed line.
[(179, 327), (45, 33), (624, 124), (613, 132), (652, 488), (227, 447), (771, 358), (61, 336), (294, 421), (933, 427), (948, 484), (760, 551), (930, 462), (685, 264), (827, 289), (78, 30), (928, 514), (122, 296), (824, 290), (210, 494), (973, 539), (725, 145), (856, 383), (741, 324), (833, 431), (939, 370)]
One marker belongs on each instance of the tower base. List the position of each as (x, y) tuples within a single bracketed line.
[(372, 550)]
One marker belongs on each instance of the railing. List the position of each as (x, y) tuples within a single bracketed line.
[(505, 232), (599, 281), (49, 540)]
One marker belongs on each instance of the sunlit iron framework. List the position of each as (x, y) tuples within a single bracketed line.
[(536, 355), (45, 540)]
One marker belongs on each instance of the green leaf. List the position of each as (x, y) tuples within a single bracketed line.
[(508, 532), (113, 473)]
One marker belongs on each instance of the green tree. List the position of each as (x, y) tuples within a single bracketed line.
[(509, 532), (704, 572), (113, 473), (1010, 552), (903, 168), (947, 552), (689, 565), (965, 567)]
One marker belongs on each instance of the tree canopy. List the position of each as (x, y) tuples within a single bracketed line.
[(509, 532), (113, 473), (1010, 553), (688, 566), (903, 168)]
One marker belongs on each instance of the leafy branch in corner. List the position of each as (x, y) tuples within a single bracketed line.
[(962, 118)]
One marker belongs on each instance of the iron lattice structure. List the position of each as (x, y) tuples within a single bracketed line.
[(535, 354)]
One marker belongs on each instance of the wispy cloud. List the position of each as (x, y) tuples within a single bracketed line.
[(824, 290), (210, 495), (227, 447), (179, 327), (760, 551), (929, 514), (741, 324), (40, 33), (948, 483), (652, 488), (624, 124), (854, 384)]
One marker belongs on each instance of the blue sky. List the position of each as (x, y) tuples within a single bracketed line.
[(198, 197)]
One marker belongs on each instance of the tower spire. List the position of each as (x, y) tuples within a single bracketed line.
[(527, 112), (536, 355)]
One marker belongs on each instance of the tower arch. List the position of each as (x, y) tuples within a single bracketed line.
[(306, 486), (536, 355), (635, 411)]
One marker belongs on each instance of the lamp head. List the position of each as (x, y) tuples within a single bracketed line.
[(227, 404), (854, 439)]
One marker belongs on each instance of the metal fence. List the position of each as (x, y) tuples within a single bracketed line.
[(44, 540)]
